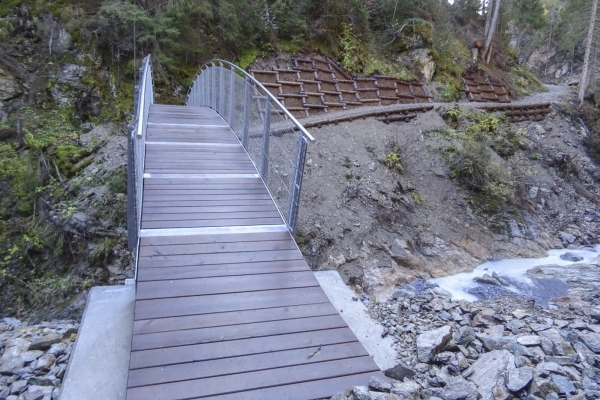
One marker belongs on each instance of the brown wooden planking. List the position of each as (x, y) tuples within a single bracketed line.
[(181, 260), (199, 171), (166, 182), (232, 318), (209, 209), (235, 332), (235, 365), (254, 380), (207, 203), (213, 224), (224, 284), (215, 238), (250, 327), (194, 305), (240, 347), (211, 216), (208, 197), (316, 389), (255, 268), (217, 247)]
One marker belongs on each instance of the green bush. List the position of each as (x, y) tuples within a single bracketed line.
[(393, 161)]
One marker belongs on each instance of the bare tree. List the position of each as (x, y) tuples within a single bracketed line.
[(491, 22), (583, 82)]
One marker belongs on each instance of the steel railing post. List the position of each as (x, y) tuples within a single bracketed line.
[(221, 90), (297, 184), (245, 122), (264, 154), (232, 98)]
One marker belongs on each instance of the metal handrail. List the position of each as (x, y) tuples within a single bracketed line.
[(261, 86), (274, 140), (136, 144)]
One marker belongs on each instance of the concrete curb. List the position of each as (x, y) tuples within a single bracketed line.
[(356, 316), (99, 365)]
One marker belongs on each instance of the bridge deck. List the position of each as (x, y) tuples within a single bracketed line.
[(226, 307)]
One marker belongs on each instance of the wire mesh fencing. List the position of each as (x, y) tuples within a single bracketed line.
[(272, 137), (143, 99)]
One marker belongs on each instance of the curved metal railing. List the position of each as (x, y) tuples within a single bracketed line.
[(275, 141)]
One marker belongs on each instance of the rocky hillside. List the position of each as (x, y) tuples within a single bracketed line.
[(465, 187)]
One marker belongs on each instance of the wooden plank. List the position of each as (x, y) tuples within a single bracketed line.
[(236, 348), (208, 209), (196, 305), (234, 332), (205, 202), (213, 197), (200, 171), (254, 268), (203, 191), (200, 181), (254, 380), (217, 238), (173, 217), (211, 224), (151, 252), (236, 365), (223, 284), (220, 258), (232, 318), (317, 389), (183, 184)]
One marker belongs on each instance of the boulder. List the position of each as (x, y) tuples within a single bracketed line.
[(489, 373), (591, 340), (529, 340), (421, 63), (408, 390), (399, 372), (361, 393), (564, 385), (379, 384), (518, 378), (9, 86), (432, 342), (487, 279), (571, 257), (567, 237)]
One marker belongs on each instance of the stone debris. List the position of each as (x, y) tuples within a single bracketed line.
[(506, 348), (33, 359)]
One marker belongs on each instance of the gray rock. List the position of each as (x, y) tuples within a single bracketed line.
[(498, 342), (18, 387), (595, 313), (591, 340), (339, 396), (464, 336), (432, 341), (564, 385), (539, 327), (533, 192), (487, 279), (361, 393), (489, 372), (441, 292), (408, 390), (566, 237), (45, 362), (15, 323), (458, 391), (402, 293), (560, 360), (44, 342), (571, 257), (518, 378), (33, 395), (541, 387), (379, 384), (530, 340), (399, 372)]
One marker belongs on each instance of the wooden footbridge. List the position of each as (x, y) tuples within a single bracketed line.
[(226, 307)]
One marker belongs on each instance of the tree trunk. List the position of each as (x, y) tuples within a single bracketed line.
[(583, 82), (491, 29)]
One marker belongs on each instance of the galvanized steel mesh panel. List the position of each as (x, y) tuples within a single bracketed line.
[(274, 141)]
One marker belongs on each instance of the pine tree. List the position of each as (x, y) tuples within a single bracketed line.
[(583, 82)]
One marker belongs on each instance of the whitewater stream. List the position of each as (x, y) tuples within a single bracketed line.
[(462, 286)]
